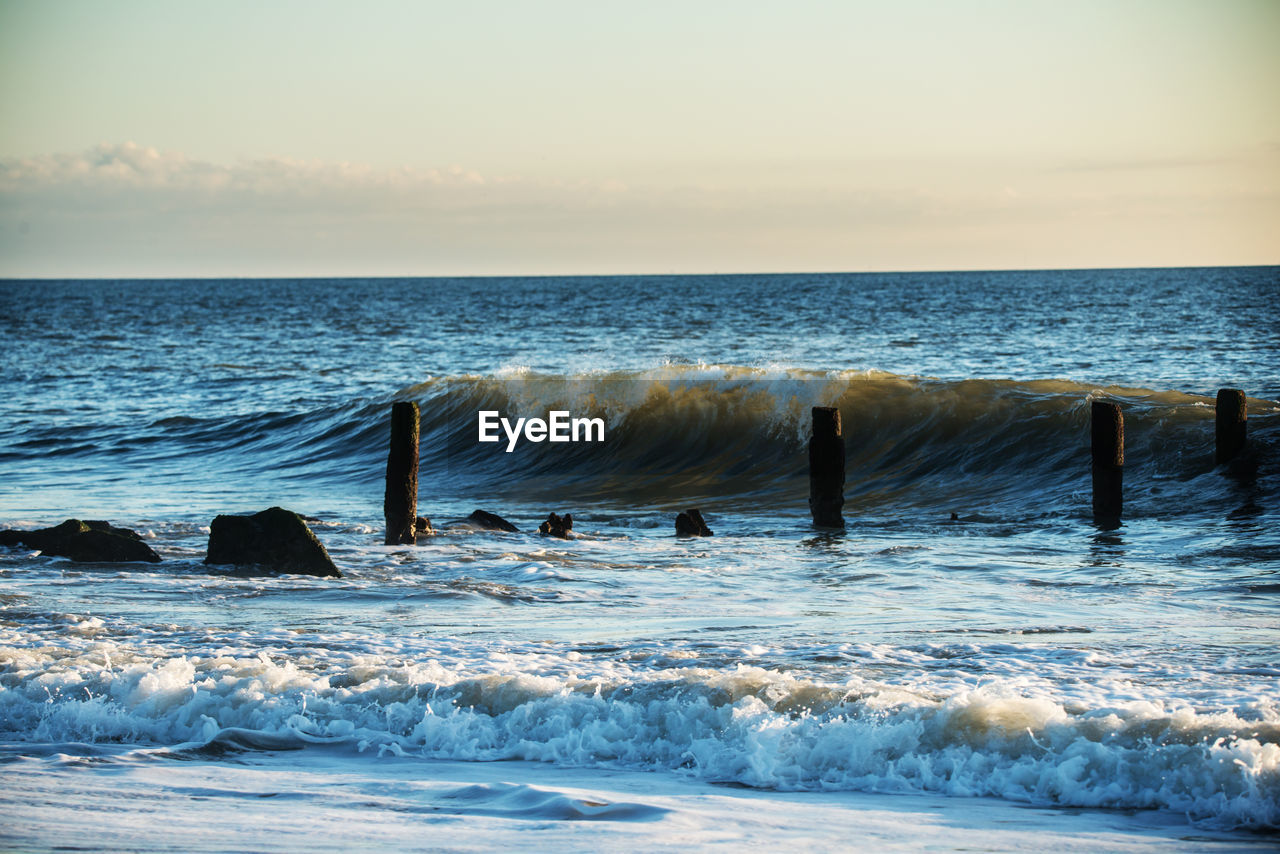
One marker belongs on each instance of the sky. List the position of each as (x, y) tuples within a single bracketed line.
[(561, 137)]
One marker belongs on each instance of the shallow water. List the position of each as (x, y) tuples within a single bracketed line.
[(1017, 652)]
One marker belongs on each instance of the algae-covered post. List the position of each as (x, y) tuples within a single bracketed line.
[(1107, 445), (400, 506), (1231, 425), (826, 468)]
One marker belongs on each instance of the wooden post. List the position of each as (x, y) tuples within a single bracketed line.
[(826, 468), (1107, 445), (1232, 420), (400, 506)]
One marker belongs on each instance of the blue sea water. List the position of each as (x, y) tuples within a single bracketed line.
[(1017, 654)]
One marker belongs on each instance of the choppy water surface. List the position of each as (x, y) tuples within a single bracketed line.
[(1016, 651)]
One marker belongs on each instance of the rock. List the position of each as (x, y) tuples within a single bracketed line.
[(276, 540), (85, 541), (690, 524), (557, 526), (422, 527), (490, 521), (974, 517)]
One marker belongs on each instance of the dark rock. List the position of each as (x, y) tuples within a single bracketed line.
[(690, 524), (422, 527), (975, 517), (490, 521), (557, 526), (276, 540), (85, 541)]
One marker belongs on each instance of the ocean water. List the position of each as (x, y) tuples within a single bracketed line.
[(1015, 677)]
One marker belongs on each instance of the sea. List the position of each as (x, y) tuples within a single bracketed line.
[(973, 662)]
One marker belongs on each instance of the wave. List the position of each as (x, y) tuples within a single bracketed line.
[(749, 726), (733, 434)]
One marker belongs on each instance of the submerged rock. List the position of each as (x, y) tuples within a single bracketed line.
[(422, 527), (690, 524), (85, 541), (973, 517), (490, 521), (277, 540), (557, 526)]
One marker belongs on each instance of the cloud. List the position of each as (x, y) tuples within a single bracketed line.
[(128, 180), (125, 209), (118, 208), (129, 165)]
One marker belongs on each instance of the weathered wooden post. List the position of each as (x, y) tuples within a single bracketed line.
[(1232, 420), (826, 468), (1107, 445), (400, 506)]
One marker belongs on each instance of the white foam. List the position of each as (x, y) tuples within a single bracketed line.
[(750, 726)]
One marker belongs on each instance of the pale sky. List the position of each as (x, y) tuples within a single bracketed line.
[(467, 138)]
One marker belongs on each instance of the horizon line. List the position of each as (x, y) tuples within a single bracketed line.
[(374, 277)]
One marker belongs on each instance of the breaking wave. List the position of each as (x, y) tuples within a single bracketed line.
[(749, 726), (736, 434)]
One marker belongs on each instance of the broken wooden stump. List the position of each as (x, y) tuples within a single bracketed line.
[(557, 526), (826, 468), (1107, 449), (400, 504), (1232, 419)]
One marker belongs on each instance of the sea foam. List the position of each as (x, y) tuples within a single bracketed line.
[(750, 726)]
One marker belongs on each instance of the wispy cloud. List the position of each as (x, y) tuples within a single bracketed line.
[(129, 165), (129, 207), (125, 209), (110, 183), (126, 178)]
